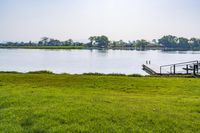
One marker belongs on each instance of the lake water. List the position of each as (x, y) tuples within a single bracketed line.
[(84, 61)]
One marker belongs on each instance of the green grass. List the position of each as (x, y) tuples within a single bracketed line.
[(40, 103), (44, 47)]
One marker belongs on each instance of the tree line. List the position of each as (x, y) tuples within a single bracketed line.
[(168, 42), (174, 42)]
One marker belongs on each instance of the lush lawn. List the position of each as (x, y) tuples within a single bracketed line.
[(45, 47), (81, 103)]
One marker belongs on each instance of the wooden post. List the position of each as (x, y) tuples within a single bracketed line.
[(187, 69), (174, 69), (194, 69)]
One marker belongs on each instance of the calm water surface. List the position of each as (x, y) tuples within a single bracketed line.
[(84, 61)]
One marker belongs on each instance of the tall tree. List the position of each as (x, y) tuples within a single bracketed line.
[(141, 43), (102, 41), (92, 40), (194, 43), (183, 43), (99, 41), (44, 40), (169, 41)]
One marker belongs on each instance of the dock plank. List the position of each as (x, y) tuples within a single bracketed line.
[(151, 69)]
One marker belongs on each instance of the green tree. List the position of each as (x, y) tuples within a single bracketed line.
[(142, 43), (99, 41), (92, 40), (168, 41), (102, 41), (183, 43), (194, 43), (68, 42), (54, 42), (44, 40)]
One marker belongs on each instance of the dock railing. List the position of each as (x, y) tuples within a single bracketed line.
[(191, 67)]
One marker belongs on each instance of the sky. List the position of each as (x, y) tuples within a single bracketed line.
[(24, 20)]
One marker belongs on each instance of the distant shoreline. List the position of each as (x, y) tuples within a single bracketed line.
[(42, 47), (109, 48)]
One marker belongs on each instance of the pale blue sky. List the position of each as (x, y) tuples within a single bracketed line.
[(23, 20)]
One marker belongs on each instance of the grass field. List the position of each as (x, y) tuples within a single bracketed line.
[(44, 47), (40, 103)]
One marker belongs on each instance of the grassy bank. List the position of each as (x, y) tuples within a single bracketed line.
[(40, 103), (44, 47)]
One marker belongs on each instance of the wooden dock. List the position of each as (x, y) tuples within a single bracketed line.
[(150, 69), (186, 68)]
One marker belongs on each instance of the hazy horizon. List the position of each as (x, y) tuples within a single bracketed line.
[(24, 20)]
